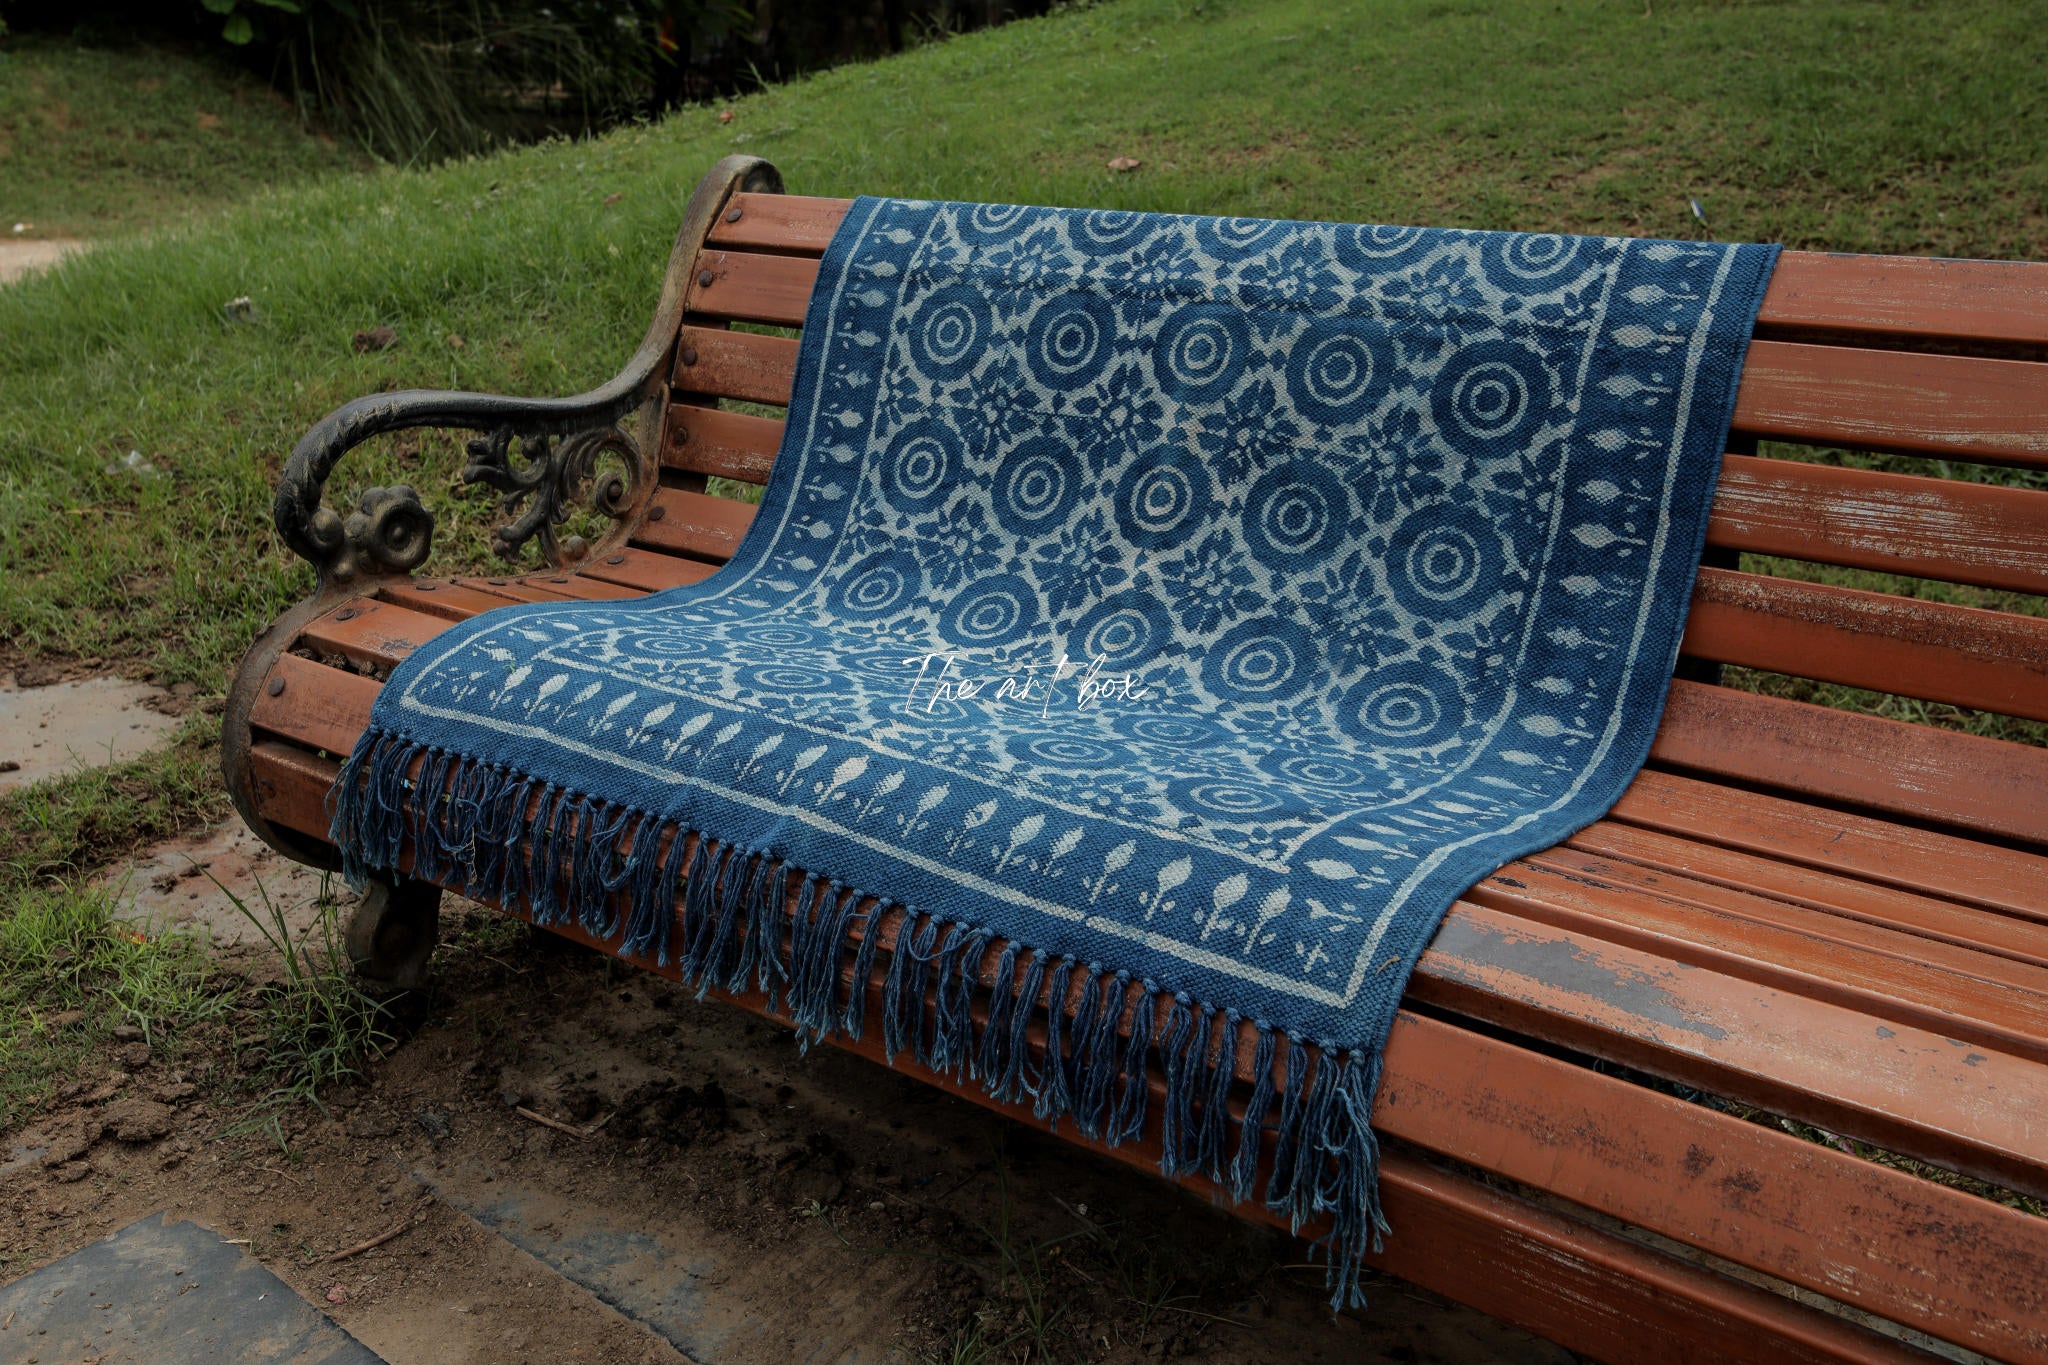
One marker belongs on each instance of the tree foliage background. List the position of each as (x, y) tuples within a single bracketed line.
[(425, 79)]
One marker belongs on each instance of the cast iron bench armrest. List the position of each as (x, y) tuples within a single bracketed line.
[(391, 532)]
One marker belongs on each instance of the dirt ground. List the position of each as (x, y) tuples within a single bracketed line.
[(722, 1198)]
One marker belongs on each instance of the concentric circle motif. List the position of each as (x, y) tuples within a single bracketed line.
[(1321, 771), (1374, 247), (1260, 661), (1409, 706), (1490, 400), (1333, 374), (1225, 798), (1163, 498), (1535, 257), (1071, 340), (792, 680), (1055, 750), (1105, 232), (923, 462), (1037, 485), (668, 644), (1295, 510), (1123, 630), (992, 222), (949, 332), (1200, 351), (886, 582), (1445, 562), (776, 636), (1233, 239), (1171, 732), (991, 612)]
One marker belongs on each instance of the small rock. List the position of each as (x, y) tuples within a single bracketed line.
[(375, 339), (138, 1120), (338, 1294), (127, 1033), (70, 1140), (133, 1056), (512, 1097), (71, 1172), (434, 1123), (8, 765)]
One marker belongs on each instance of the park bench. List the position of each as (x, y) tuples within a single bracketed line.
[(1619, 1100)]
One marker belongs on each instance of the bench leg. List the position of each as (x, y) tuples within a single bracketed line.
[(392, 933)]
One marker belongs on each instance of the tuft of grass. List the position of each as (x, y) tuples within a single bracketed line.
[(316, 1024), (70, 973)]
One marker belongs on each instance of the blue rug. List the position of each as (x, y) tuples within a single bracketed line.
[(1170, 614)]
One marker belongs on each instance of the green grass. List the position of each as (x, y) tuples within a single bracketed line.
[(70, 974), (97, 140)]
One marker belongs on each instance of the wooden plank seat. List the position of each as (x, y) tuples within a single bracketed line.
[(1622, 1094)]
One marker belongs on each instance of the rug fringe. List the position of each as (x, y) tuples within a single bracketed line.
[(487, 832)]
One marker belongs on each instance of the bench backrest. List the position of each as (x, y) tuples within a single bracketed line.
[(1940, 625)]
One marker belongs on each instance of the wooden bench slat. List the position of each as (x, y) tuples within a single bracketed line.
[(797, 223), (647, 571), (1950, 992), (579, 586), (751, 286), (1912, 298), (1995, 661), (372, 632), (1960, 869), (450, 601), (1942, 776), (1894, 523), (319, 707), (696, 524), (1909, 298), (518, 589), (2023, 940), (731, 445), (1960, 407), (743, 365), (1908, 1089), (1757, 1196)]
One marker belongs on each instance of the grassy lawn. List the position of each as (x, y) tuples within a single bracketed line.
[(1870, 126), (104, 139)]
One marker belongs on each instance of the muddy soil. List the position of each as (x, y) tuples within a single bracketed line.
[(720, 1198)]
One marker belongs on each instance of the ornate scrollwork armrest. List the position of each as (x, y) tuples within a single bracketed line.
[(390, 532), (561, 440)]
